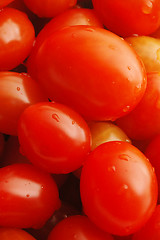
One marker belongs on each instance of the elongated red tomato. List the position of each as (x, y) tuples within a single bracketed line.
[(93, 70), (129, 17), (14, 234), (54, 137), (49, 8), (28, 196), (17, 91), (77, 227), (118, 188), (16, 38)]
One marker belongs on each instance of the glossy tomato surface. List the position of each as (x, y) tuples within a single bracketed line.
[(16, 38), (89, 71), (49, 8), (71, 17), (54, 137), (151, 230), (77, 227), (129, 17), (118, 188), (17, 91), (14, 234), (28, 196), (143, 122)]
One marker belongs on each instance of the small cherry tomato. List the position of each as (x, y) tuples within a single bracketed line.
[(77, 227), (89, 71), (16, 38), (51, 8), (129, 17), (28, 196), (54, 137), (143, 122), (14, 234), (17, 91), (118, 188)]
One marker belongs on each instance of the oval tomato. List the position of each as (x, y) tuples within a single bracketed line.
[(28, 196), (79, 226), (14, 234), (89, 71), (51, 8), (118, 188), (17, 91), (129, 17), (16, 38), (54, 137)]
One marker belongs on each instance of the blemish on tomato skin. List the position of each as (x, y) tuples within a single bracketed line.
[(55, 117)]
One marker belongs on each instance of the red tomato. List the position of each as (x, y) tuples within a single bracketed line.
[(14, 234), (151, 230), (17, 91), (16, 38), (143, 122), (71, 17), (89, 71), (77, 227), (118, 188), (28, 197), (129, 17), (4, 3), (54, 137), (49, 8)]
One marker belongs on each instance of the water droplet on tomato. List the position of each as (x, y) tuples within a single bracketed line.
[(147, 7), (73, 122), (27, 195), (129, 68), (89, 29), (18, 89), (125, 109), (124, 157), (112, 169), (55, 117)]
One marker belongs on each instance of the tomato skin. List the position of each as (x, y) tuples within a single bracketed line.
[(118, 188), (16, 38), (77, 227), (17, 91), (50, 8), (14, 234), (54, 137), (126, 18), (73, 79), (71, 17), (151, 229), (28, 196), (143, 122), (4, 3)]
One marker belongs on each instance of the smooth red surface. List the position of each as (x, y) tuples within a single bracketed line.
[(16, 38), (54, 137), (4, 3), (28, 196), (89, 71), (71, 17), (129, 17), (17, 91), (143, 122), (14, 234), (151, 230), (118, 188), (77, 228), (49, 8)]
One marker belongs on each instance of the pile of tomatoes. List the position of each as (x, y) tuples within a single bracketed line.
[(80, 120)]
